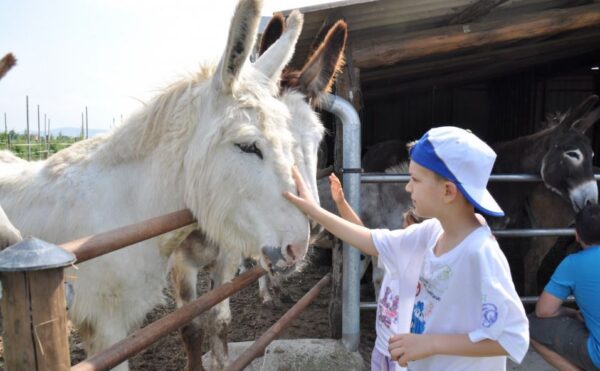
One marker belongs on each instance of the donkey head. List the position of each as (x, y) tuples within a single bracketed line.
[(301, 90), (239, 159), (567, 164)]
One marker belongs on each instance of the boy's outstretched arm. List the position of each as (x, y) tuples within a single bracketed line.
[(412, 347), (356, 235)]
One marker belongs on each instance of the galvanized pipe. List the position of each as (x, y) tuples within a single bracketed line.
[(404, 178), (143, 338), (351, 256), (548, 232), (257, 348), (366, 306), (103, 243)]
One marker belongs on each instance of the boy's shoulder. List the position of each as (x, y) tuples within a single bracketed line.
[(484, 248)]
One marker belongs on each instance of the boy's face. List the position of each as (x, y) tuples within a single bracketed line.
[(426, 190)]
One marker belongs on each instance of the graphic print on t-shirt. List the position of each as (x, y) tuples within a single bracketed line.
[(433, 282), (388, 308)]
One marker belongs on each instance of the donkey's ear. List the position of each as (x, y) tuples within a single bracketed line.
[(6, 64), (586, 122), (275, 58), (319, 72), (579, 113), (240, 42), (272, 32)]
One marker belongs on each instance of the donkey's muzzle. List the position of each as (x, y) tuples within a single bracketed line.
[(278, 260), (584, 194)]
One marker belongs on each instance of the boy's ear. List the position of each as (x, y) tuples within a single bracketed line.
[(450, 191)]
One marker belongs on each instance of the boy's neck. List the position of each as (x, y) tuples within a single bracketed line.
[(457, 227)]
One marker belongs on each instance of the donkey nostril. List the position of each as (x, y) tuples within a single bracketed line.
[(290, 251)]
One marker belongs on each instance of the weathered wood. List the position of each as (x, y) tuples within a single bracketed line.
[(49, 319), (19, 350), (474, 68), (523, 55), (475, 11), (457, 39)]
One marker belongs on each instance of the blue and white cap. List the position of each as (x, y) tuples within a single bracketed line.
[(463, 158)]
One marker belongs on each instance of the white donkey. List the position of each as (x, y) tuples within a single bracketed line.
[(300, 90), (9, 235), (219, 144)]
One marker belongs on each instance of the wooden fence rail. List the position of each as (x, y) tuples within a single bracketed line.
[(143, 338)]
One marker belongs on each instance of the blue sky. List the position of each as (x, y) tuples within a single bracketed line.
[(108, 55)]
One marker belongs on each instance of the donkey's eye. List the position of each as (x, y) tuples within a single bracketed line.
[(573, 154), (250, 148)]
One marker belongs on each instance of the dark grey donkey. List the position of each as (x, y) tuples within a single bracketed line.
[(562, 156)]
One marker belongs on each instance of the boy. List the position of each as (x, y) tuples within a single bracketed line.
[(466, 312), (559, 334)]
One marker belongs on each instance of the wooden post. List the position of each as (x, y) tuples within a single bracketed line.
[(87, 134), (34, 307), (6, 132), (28, 138)]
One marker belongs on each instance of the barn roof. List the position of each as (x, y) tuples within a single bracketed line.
[(399, 45)]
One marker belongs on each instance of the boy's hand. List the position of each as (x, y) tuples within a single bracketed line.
[(409, 347), (337, 193), (304, 200)]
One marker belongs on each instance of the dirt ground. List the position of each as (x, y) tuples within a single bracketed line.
[(250, 319)]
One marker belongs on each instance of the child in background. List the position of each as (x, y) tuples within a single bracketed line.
[(561, 335), (387, 306)]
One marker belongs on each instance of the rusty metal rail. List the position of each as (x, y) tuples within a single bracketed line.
[(143, 338), (257, 348), (103, 243)]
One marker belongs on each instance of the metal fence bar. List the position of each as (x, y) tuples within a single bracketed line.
[(103, 243), (366, 306), (550, 232), (257, 348), (143, 338), (404, 178)]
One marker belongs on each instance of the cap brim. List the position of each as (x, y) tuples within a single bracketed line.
[(482, 200)]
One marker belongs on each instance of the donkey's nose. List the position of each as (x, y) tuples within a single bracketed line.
[(274, 260), (584, 194), (296, 251)]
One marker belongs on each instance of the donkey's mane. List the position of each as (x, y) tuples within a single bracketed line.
[(140, 134)]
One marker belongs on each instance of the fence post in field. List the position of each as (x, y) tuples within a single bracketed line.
[(34, 306), (28, 137)]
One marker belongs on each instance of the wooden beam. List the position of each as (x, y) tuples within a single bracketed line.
[(453, 39), (521, 59), (475, 11), (431, 67)]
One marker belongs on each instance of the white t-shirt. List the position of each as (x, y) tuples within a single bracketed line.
[(467, 290)]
